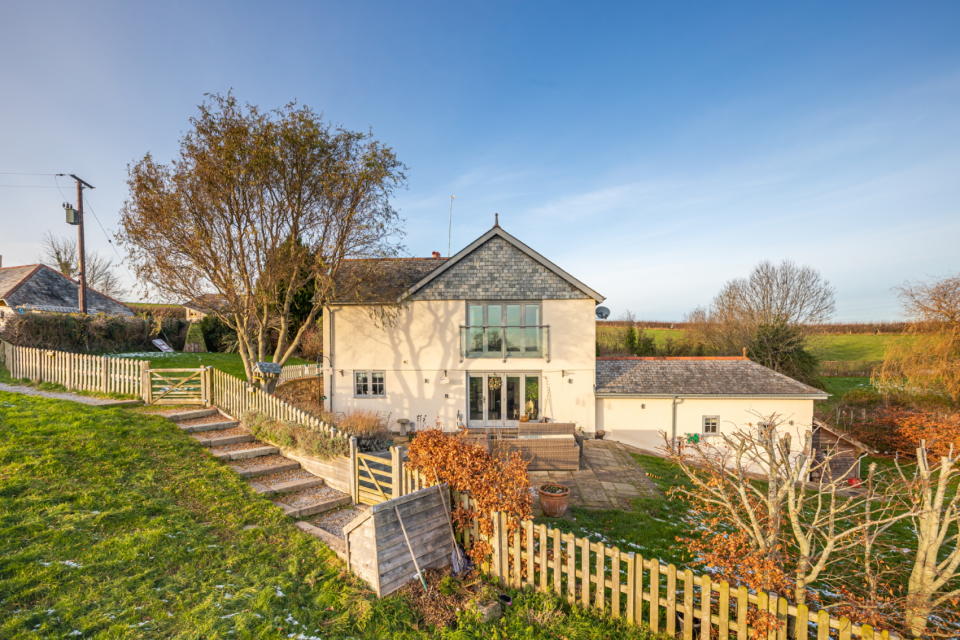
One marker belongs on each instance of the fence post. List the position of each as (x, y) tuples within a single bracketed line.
[(145, 386), (354, 471), (206, 384), (396, 470)]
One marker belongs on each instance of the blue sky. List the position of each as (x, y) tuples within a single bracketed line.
[(654, 151)]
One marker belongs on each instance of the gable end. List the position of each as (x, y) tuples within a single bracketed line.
[(497, 270)]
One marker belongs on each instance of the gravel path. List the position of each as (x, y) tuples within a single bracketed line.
[(73, 397)]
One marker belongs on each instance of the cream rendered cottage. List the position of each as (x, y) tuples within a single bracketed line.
[(497, 333), (489, 336)]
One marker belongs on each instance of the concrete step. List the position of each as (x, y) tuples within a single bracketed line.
[(243, 451), (337, 545), (285, 482), (311, 502), (255, 467), (198, 427), (234, 435), (190, 414)]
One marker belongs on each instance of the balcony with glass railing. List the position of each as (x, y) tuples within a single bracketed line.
[(505, 341)]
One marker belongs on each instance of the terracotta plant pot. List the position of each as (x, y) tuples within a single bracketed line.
[(554, 499)]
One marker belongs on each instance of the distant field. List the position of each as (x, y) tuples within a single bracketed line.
[(852, 346), (842, 346)]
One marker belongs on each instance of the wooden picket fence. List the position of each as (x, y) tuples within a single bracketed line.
[(644, 591), (75, 371), (296, 371), (238, 397)]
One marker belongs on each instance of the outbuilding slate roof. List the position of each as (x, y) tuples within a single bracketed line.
[(735, 376), (38, 287)]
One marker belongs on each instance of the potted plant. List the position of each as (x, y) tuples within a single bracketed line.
[(554, 498)]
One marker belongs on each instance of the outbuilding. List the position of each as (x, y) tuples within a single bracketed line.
[(639, 400)]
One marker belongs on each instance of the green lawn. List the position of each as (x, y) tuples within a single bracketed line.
[(650, 528), (115, 524), (226, 362)]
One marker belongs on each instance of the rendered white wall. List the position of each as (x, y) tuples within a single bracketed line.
[(423, 342)]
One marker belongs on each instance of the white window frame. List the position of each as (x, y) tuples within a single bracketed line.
[(368, 384), (716, 425)]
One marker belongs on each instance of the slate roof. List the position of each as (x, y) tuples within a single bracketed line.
[(735, 376), (380, 280), (36, 286), (519, 273)]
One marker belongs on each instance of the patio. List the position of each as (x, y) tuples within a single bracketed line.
[(609, 478)]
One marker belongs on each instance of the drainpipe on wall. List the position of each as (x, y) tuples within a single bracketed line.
[(673, 426), (330, 359)]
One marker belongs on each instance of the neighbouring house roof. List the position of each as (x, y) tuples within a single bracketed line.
[(494, 266), (719, 376), (206, 302), (37, 287)]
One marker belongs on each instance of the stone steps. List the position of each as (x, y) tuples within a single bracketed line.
[(337, 545), (219, 441), (274, 465), (312, 502), (190, 414), (296, 491), (208, 426), (254, 450), (285, 482)]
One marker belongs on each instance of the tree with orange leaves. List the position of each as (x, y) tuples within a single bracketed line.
[(494, 484)]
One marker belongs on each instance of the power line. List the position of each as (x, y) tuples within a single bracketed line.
[(24, 173), (27, 186)]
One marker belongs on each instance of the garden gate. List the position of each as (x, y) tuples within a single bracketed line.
[(177, 386)]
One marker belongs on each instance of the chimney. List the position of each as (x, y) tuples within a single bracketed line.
[(436, 254)]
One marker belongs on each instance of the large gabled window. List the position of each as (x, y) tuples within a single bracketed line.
[(504, 329)]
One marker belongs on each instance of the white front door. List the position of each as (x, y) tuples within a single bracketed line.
[(498, 399)]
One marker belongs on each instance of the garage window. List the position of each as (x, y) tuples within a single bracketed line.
[(711, 425)]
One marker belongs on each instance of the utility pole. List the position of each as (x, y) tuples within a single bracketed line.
[(81, 252)]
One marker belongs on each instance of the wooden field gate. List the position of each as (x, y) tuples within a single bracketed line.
[(177, 386), (378, 478)]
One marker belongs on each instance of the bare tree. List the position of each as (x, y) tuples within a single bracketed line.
[(933, 499), (61, 254), (259, 208), (772, 295), (788, 502), (930, 361)]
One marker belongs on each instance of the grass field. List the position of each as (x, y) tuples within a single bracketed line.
[(114, 524), (845, 347), (226, 362)]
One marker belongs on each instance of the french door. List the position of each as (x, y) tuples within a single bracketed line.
[(499, 399)]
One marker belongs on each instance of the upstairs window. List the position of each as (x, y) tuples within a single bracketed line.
[(369, 384), (496, 329)]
